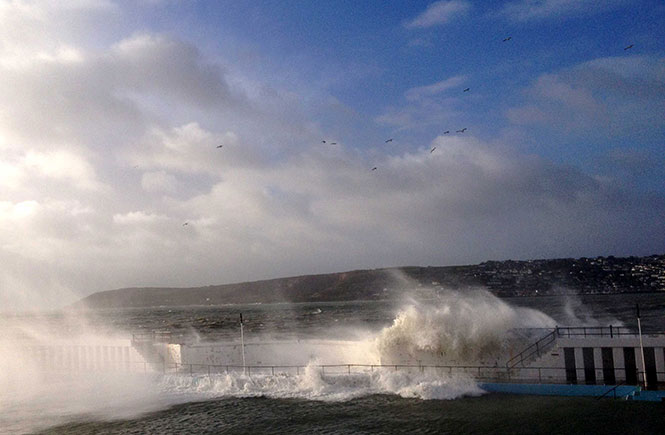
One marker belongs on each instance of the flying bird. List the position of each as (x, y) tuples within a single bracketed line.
[(432, 150), (323, 141), (466, 90), (507, 39), (629, 47), (462, 130), (185, 224), (389, 140), (374, 168), (333, 143), (446, 132), (219, 146)]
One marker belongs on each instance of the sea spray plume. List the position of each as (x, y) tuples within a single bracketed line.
[(455, 328), (57, 366), (575, 313)]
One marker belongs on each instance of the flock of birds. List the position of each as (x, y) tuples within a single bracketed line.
[(462, 130)]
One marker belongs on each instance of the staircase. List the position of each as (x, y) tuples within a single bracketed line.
[(533, 351)]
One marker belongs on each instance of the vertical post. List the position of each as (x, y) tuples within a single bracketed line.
[(611, 334), (242, 345), (639, 330)]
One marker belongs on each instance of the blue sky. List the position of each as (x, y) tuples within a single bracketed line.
[(112, 111), (367, 56)]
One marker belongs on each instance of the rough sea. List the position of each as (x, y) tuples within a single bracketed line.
[(388, 403)]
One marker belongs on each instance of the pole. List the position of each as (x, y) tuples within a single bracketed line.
[(242, 345), (639, 329)]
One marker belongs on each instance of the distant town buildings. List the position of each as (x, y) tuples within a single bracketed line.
[(600, 275)]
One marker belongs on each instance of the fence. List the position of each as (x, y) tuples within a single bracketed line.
[(538, 375)]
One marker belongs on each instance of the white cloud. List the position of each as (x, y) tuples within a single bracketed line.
[(434, 89), (136, 218), (159, 181), (606, 97), (438, 13), (525, 10), (62, 164), (189, 148), (425, 106)]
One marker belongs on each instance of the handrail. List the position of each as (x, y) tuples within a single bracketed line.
[(612, 389), (610, 331), (528, 352)]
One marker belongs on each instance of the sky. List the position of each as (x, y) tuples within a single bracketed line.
[(112, 114)]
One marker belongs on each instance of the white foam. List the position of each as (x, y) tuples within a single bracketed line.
[(314, 384)]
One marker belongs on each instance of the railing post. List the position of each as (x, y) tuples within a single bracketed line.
[(272, 369), (611, 335), (348, 367), (540, 379)]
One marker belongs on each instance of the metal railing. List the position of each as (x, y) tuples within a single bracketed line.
[(536, 348), (601, 331), (152, 337), (542, 344), (612, 390), (479, 373)]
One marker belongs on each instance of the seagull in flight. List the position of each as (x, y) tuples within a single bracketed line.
[(374, 168), (462, 130), (185, 224), (629, 47), (507, 39), (466, 90), (323, 141), (219, 146), (446, 132), (389, 140), (432, 150), (333, 143)]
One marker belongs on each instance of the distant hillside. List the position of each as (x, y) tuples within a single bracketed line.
[(601, 275)]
